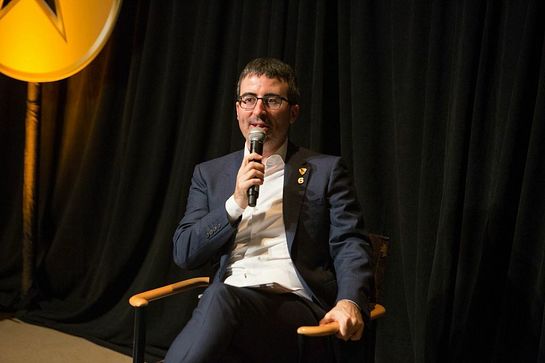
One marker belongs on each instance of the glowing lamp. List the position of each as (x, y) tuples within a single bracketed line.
[(44, 41)]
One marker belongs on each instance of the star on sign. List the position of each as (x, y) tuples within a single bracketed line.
[(51, 9)]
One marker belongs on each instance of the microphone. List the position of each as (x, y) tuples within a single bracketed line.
[(256, 138)]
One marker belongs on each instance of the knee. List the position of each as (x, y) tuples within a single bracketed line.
[(219, 304), (217, 290), (219, 294)]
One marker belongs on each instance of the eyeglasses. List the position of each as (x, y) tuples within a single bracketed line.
[(272, 102)]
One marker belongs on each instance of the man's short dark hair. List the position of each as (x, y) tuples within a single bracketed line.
[(272, 68)]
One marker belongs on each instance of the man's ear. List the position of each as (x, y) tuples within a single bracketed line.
[(294, 113)]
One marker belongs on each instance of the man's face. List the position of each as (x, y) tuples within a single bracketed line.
[(275, 122)]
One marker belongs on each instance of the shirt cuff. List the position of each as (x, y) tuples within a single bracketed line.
[(233, 210), (353, 302)]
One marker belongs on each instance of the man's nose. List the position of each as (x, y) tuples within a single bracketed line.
[(260, 107)]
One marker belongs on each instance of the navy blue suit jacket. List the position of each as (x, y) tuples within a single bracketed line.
[(322, 217)]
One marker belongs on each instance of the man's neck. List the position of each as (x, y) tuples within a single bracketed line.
[(269, 150)]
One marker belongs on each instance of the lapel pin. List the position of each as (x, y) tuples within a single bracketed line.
[(300, 180), (302, 171)]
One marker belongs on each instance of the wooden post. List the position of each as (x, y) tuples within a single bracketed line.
[(30, 184)]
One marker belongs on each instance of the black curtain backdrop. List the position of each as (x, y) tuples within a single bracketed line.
[(438, 106)]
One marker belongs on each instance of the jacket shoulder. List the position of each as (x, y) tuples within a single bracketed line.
[(222, 162)]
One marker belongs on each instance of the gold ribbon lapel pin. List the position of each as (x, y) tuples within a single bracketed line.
[(302, 171)]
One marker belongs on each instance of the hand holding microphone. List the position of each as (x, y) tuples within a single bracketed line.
[(251, 172), (256, 138)]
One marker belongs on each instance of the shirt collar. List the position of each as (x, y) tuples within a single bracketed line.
[(282, 150)]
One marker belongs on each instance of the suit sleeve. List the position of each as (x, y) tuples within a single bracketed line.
[(349, 246), (204, 231)]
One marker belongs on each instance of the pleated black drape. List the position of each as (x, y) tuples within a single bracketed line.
[(438, 106)]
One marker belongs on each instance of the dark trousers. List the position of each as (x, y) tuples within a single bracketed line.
[(233, 324)]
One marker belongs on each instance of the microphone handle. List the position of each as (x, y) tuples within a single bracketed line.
[(253, 192)]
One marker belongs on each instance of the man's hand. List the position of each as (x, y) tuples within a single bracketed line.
[(348, 315), (251, 172)]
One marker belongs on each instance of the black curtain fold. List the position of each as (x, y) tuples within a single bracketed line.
[(437, 106), (12, 119)]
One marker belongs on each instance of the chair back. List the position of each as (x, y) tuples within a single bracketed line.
[(380, 246)]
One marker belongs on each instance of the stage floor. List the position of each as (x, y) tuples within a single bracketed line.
[(22, 342)]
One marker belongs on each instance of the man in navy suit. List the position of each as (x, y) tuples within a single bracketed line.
[(298, 257)]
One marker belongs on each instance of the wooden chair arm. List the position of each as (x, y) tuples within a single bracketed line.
[(333, 327), (143, 299)]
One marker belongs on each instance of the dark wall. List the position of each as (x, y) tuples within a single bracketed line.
[(438, 106)]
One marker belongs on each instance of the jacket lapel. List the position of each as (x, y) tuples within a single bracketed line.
[(296, 175), (222, 177), (230, 175)]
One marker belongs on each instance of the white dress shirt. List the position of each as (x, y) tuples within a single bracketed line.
[(260, 257)]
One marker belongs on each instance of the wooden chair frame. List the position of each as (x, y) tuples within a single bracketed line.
[(141, 300)]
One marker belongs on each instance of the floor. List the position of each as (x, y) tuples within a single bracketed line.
[(22, 342)]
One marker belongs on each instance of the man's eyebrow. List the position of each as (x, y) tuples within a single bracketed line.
[(265, 95)]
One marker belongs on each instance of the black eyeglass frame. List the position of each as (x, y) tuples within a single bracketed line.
[(264, 99)]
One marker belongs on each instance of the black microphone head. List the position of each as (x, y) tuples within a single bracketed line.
[(256, 134)]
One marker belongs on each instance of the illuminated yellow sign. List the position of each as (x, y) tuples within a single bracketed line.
[(48, 40)]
